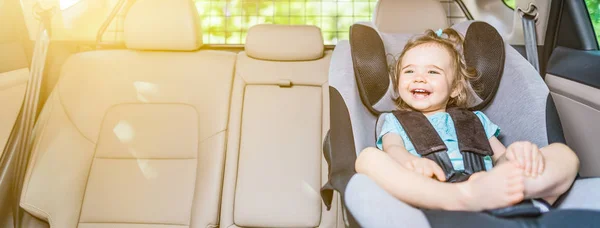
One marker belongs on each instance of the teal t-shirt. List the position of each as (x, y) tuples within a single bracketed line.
[(443, 124)]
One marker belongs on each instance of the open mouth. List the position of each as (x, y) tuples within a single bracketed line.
[(420, 93)]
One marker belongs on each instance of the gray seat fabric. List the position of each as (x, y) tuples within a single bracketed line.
[(521, 108)]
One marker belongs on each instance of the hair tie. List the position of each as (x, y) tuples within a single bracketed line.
[(439, 32)]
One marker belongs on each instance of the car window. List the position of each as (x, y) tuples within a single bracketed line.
[(510, 3), (593, 7), (226, 22)]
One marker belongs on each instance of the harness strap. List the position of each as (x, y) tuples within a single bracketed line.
[(425, 139), (472, 141), (469, 132), (420, 132)]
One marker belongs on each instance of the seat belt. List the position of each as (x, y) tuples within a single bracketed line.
[(528, 18), (20, 142)]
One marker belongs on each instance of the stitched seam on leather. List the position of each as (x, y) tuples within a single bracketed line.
[(222, 175), (87, 180), (69, 116), (211, 136), (237, 162)]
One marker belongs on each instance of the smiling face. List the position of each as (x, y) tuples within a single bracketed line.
[(426, 78)]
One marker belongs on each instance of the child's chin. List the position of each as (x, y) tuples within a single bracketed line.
[(418, 107)]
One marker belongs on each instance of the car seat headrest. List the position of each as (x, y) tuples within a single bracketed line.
[(163, 25), (483, 50), (284, 42), (400, 16)]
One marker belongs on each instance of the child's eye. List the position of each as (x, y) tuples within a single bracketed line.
[(408, 71), (433, 72)]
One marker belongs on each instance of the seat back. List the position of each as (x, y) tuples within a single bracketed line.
[(279, 117), (135, 138)]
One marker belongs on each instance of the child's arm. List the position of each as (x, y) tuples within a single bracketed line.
[(498, 149), (527, 154), (394, 146)]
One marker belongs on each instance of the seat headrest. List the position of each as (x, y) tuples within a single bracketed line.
[(409, 16), (284, 42), (167, 25), (484, 50)]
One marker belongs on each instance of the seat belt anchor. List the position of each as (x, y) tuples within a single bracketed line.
[(44, 16), (531, 12)]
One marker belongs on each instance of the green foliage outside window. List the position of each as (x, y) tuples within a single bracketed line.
[(227, 21), (510, 3), (593, 7)]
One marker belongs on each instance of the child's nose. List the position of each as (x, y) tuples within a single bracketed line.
[(419, 78)]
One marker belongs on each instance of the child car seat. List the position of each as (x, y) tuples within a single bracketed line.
[(512, 95)]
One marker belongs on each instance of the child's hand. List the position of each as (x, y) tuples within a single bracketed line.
[(426, 167), (529, 156)]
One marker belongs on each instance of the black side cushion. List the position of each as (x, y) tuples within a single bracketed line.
[(370, 65), (338, 149), (484, 51)]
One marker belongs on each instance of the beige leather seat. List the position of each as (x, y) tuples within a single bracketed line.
[(135, 138), (409, 16), (279, 117)]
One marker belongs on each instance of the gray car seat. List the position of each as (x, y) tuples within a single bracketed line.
[(522, 107)]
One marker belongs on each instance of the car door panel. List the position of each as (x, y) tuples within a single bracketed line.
[(578, 106), (573, 77), (12, 90)]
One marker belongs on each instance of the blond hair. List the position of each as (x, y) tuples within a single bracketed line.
[(452, 41)]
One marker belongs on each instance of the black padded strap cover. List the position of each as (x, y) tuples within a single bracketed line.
[(469, 132), (370, 65), (425, 139), (420, 132)]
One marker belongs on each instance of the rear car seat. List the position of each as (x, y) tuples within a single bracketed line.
[(135, 138), (279, 116)]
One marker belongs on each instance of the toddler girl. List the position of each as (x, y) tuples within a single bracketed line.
[(431, 76)]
